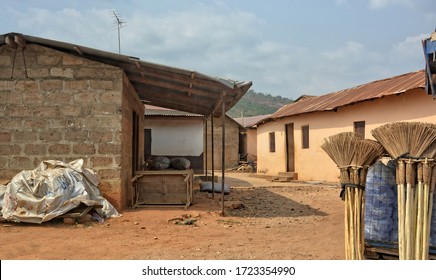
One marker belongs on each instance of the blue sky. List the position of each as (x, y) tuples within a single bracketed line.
[(284, 47)]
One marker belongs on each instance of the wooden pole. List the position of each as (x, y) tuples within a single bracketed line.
[(205, 150), (212, 150), (223, 117)]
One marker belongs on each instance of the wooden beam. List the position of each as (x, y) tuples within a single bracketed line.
[(20, 41), (173, 85), (10, 42), (78, 50)]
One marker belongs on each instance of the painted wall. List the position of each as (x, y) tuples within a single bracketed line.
[(176, 136), (251, 144), (313, 163)]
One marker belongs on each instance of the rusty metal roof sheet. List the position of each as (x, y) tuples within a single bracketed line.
[(155, 111), (332, 101), (250, 121), (160, 85)]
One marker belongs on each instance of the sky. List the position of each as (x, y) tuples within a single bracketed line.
[(285, 48)]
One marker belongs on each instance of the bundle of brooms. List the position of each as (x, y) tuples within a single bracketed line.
[(353, 156), (412, 145)]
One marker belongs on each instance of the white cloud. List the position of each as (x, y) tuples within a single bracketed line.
[(379, 4)]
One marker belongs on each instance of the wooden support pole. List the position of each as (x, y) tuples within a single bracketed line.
[(212, 150), (205, 150), (223, 117)]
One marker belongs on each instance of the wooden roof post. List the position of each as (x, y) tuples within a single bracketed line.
[(205, 150), (223, 117), (212, 155)]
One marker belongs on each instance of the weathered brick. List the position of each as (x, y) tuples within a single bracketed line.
[(101, 136), (33, 98), (27, 85), (71, 111), (61, 72), (5, 60), (4, 97), (113, 122), (37, 72), (50, 136), (5, 137), (85, 97), (84, 149), (46, 112), (5, 73), (103, 109), (35, 149), (101, 161), (51, 85), (9, 149), (76, 85), (72, 60), (109, 149), (64, 123), (15, 98), (101, 84), (21, 162), (24, 136), (76, 135), (109, 173), (4, 162), (11, 124), (9, 173), (48, 60), (59, 149), (61, 98), (111, 97), (97, 73), (35, 124), (7, 85), (19, 111)]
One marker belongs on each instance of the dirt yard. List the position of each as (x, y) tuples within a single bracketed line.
[(276, 221)]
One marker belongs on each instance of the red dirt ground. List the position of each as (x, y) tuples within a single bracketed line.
[(279, 221)]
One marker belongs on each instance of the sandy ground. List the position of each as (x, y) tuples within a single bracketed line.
[(277, 221)]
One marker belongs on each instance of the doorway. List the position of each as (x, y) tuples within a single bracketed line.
[(290, 158)]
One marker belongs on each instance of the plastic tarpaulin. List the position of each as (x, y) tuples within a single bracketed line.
[(50, 190)]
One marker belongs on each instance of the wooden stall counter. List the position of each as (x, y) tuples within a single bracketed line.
[(162, 187)]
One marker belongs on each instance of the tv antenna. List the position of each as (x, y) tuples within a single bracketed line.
[(120, 24)]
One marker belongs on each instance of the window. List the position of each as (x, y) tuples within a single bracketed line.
[(272, 142), (305, 137), (359, 129)]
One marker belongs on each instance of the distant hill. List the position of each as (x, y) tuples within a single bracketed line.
[(257, 103)]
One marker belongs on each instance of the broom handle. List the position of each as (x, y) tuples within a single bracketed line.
[(401, 178), (419, 206)]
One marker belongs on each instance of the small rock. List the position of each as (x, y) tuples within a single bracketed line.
[(136, 235), (142, 227), (136, 223), (84, 219), (155, 237)]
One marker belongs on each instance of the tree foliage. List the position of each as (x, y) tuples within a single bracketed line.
[(257, 103)]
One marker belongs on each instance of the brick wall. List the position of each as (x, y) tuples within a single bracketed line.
[(232, 144), (67, 108)]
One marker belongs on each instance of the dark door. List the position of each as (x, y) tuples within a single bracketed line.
[(290, 147), (147, 143)]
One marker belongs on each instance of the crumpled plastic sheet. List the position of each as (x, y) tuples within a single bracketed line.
[(51, 190)]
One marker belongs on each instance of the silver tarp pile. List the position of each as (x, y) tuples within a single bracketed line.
[(51, 190)]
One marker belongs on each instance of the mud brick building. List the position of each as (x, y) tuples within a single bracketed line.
[(63, 101)]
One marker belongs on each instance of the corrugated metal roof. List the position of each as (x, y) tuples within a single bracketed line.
[(160, 85), (151, 110), (377, 89), (250, 121)]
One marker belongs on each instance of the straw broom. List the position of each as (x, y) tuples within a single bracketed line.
[(365, 154), (426, 201), (406, 142), (340, 148), (353, 157)]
